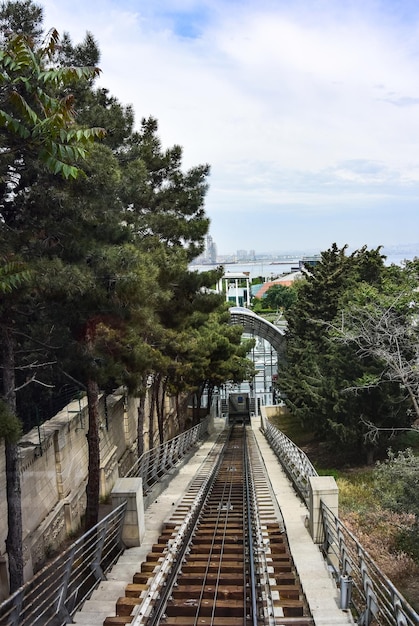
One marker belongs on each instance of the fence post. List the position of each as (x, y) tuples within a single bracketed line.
[(322, 488), (131, 491), (63, 608), (97, 555), (345, 595)]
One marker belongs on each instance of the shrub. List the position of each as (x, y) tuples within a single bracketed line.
[(10, 425), (397, 485), (397, 482)]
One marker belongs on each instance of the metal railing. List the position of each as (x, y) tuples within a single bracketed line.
[(371, 595), (58, 590), (155, 463), (294, 461), (364, 588)]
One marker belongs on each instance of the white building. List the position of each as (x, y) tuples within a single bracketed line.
[(236, 286)]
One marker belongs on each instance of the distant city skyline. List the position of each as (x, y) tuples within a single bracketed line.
[(396, 253)]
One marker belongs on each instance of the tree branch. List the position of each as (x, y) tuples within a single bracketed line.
[(33, 379)]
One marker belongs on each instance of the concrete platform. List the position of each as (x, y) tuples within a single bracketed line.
[(103, 600), (318, 585)]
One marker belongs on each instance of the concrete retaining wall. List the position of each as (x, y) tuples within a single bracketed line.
[(54, 474)]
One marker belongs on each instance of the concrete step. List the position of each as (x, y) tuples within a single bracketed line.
[(99, 606), (109, 589), (90, 619)]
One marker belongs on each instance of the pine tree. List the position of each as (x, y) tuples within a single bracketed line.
[(38, 132), (320, 371)]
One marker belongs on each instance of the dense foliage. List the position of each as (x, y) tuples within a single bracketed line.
[(98, 224), (280, 297), (396, 484), (339, 383)]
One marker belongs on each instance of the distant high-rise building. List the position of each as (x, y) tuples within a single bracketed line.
[(210, 250), (245, 255)]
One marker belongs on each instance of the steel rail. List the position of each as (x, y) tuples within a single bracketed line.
[(250, 540), (183, 544), (215, 559), (228, 487), (259, 547)]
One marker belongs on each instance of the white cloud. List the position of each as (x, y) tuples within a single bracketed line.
[(291, 106)]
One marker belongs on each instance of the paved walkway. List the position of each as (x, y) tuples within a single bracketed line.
[(318, 586)]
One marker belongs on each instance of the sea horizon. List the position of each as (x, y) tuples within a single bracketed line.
[(285, 263)]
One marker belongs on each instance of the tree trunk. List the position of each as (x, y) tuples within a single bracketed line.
[(93, 479), (178, 414), (197, 405), (194, 403), (157, 390), (182, 401), (161, 402), (13, 488), (184, 412), (14, 517), (151, 417), (370, 456), (210, 392), (140, 426)]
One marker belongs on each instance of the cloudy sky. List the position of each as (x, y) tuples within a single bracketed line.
[(306, 110)]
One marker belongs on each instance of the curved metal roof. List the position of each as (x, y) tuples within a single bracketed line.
[(256, 325)]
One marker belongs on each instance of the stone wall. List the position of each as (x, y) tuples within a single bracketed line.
[(54, 464)]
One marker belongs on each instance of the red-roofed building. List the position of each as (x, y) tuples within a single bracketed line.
[(286, 281)]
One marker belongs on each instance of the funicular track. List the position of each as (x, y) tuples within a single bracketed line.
[(223, 558)]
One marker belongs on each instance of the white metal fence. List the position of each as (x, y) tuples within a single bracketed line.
[(155, 463), (57, 591), (294, 461), (363, 585), (364, 589)]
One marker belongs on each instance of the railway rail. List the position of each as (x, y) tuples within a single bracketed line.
[(223, 558)]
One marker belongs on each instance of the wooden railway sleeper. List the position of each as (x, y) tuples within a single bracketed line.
[(148, 610), (278, 594)]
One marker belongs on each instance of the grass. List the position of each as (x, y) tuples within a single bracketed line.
[(292, 428), (356, 491)]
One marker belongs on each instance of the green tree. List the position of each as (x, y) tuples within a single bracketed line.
[(21, 18), (164, 204), (225, 354), (280, 297), (321, 373), (396, 484), (36, 126), (187, 310), (165, 210), (12, 275), (35, 120), (381, 325), (206, 355), (73, 236)]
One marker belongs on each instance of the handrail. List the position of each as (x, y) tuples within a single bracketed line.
[(294, 461), (157, 462), (369, 593), (373, 595), (58, 590)]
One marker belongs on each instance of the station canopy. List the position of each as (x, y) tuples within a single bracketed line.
[(255, 325)]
